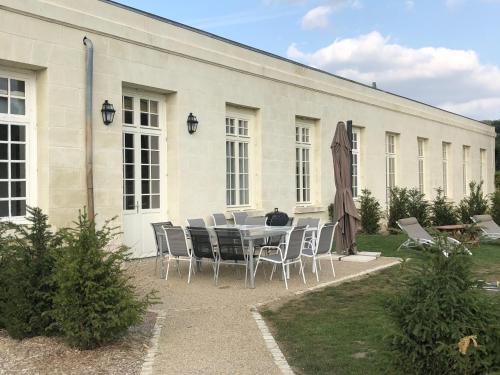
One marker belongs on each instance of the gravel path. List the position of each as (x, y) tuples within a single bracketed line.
[(209, 329)]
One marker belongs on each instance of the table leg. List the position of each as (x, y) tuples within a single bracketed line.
[(251, 264)]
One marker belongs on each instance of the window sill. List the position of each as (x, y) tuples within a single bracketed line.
[(308, 209), (248, 210)]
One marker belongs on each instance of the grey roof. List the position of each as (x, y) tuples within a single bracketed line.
[(241, 45)]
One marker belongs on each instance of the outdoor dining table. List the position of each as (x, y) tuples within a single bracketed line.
[(251, 233)]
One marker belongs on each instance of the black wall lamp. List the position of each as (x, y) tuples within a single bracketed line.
[(192, 123), (108, 112)]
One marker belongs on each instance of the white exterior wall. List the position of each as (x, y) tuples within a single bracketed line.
[(199, 74)]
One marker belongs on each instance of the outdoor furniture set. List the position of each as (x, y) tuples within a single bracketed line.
[(246, 243)]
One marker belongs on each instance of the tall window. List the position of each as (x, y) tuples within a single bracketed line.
[(483, 170), (356, 162), (14, 129), (421, 164), (445, 152), (465, 168), (390, 165), (237, 171), (303, 145)]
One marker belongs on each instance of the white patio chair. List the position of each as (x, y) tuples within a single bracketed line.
[(219, 219), (239, 217), (161, 244), (322, 248), (199, 223), (286, 254), (312, 225), (178, 249), (490, 230)]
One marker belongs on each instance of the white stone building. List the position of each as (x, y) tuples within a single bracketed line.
[(258, 115)]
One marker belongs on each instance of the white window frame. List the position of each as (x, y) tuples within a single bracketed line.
[(421, 151), (356, 162), (240, 138), (304, 138), (29, 121), (465, 168), (391, 153), (445, 154), (483, 166)]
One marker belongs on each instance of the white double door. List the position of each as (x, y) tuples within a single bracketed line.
[(143, 202)]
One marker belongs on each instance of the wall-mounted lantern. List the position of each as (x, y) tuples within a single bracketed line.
[(192, 123), (108, 112)]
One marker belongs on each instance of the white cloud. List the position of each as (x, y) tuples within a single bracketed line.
[(409, 4), (318, 17), (439, 76)]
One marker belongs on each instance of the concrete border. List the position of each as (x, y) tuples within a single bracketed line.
[(147, 366), (271, 344)]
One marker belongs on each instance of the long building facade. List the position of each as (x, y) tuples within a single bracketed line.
[(262, 141)]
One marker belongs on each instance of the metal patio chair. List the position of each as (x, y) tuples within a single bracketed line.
[(312, 227), (178, 249), (219, 219), (286, 254), (202, 246), (231, 250), (199, 223), (161, 244), (322, 248), (239, 217)]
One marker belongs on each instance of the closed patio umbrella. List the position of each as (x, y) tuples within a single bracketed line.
[(344, 209)]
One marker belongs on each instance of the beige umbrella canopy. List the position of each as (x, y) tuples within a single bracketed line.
[(344, 209)]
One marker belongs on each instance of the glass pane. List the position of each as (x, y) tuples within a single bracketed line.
[(129, 187), (144, 141), (144, 119), (17, 133), (153, 106), (145, 201), (3, 105), (4, 86), (154, 120), (18, 208), (4, 189), (129, 203), (4, 132), (17, 171), (155, 187), (145, 171), (154, 143), (3, 151), (129, 117), (18, 189), (155, 157), (129, 140), (155, 201), (4, 208), (129, 171), (17, 106), (128, 102), (145, 187), (144, 105), (129, 156), (17, 87), (145, 157), (155, 172), (17, 152), (4, 171)]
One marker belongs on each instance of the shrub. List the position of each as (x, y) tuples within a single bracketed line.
[(443, 211), (398, 206), (437, 307), (330, 212), (95, 302), (495, 206), (497, 179), (370, 212), (474, 204), (418, 207), (26, 286)]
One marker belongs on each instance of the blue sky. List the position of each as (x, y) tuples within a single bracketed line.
[(442, 52)]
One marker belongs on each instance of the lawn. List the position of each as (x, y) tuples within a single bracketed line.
[(341, 330)]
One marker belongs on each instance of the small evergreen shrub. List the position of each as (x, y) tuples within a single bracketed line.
[(330, 212), (495, 206), (398, 206), (370, 212), (443, 212), (26, 286), (438, 306), (95, 303), (474, 204), (418, 207)]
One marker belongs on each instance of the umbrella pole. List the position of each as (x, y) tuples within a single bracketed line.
[(349, 135)]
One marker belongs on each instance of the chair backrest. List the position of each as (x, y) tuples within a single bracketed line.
[(486, 223), (240, 217), (255, 220), (230, 244), (295, 243), (308, 221), (200, 239), (413, 229), (219, 219), (199, 223), (159, 233), (176, 241), (325, 240)]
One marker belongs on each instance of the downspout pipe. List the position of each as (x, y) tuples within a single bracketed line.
[(89, 144)]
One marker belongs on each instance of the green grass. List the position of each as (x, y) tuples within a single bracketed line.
[(341, 330)]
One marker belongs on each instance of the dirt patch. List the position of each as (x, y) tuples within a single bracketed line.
[(50, 355)]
